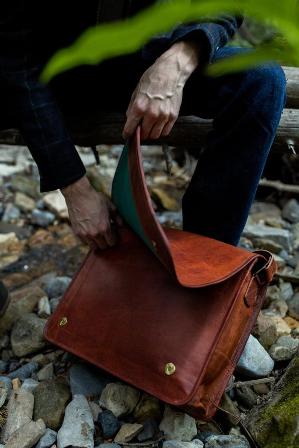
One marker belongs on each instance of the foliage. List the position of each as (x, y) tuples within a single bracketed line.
[(112, 39)]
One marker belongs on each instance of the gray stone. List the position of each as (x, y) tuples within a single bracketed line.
[(255, 362), (290, 211), (27, 436), (196, 443), (108, 423), (3, 366), (246, 397), (127, 432), (119, 398), (48, 439), (44, 307), (227, 441), (24, 371), (42, 218), (11, 213), (108, 445), (54, 303), (19, 413), (78, 427), (46, 372), (55, 287), (87, 380), (147, 407), (95, 409), (286, 290), (280, 236), (24, 202), (27, 335), (29, 384), (277, 308), (5, 389), (293, 304), (284, 348), (51, 397), (231, 414), (150, 428), (177, 425)]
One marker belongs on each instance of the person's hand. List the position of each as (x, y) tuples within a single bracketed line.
[(91, 214), (156, 101)]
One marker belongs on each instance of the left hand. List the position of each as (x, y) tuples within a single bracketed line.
[(156, 101)]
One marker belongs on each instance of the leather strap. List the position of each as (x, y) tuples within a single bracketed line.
[(267, 272)]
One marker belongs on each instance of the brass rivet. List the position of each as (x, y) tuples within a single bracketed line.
[(169, 368), (63, 321)]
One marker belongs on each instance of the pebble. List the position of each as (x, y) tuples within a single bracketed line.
[(150, 428), (42, 218), (255, 362), (109, 424), (290, 211), (178, 425), (46, 372), (196, 443), (148, 407), (47, 439), (44, 307), (127, 432), (108, 445), (280, 236), (95, 409), (87, 380), (51, 397), (5, 389), (284, 348), (78, 427), (227, 441), (246, 397), (27, 335), (54, 303), (27, 436), (286, 290), (293, 305), (55, 202), (24, 202), (24, 371), (231, 412), (19, 412), (29, 384), (11, 213), (119, 398), (3, 366), (55, 287)]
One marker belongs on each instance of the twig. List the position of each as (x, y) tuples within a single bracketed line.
[(280, 186)]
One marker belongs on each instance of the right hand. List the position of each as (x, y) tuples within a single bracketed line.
[(91, 214)]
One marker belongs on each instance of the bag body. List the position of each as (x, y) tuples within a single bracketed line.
[(165, 310)]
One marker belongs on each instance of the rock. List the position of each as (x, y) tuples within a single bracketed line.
[(261, 389), (19, 413), (10, 244), (51, 397), (150, 429), (127, 432), (24, 202), (108, 445), (24, 184), (95, 410), (108, 423), (54, 303), (48, 439), (55, 202), (24, 371), (280, 236), (5, 389), (254, 362), (166, 198), (119, 398), (3, 366), (231, 412), (42, 218), (227, 441), (293, 304), (57, 286), (177, 425), (78, 427), (246, 397), (260, 211), (11, 213), (27, 436), (87, 380), (22, 301), (284, 348), (277, 308), (266, 331), (286, 290), (46, 372), (29, 384), (275, 423), (44, 307), (291, 323), (27, 335), (195, 443), (148, 407), (290, 211)]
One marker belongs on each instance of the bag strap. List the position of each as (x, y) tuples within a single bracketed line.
[(266, 273)]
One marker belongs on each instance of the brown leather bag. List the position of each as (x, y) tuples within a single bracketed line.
[(165, 310)]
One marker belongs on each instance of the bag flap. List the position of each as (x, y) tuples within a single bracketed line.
[(194, 260)]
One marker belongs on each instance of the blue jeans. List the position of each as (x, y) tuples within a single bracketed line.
[(246, 109)]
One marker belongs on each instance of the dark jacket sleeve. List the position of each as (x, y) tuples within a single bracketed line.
[(210, 36)]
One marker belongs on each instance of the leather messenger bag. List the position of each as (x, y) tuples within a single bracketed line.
[(167, 311)]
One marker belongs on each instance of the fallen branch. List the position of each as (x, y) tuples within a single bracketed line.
[(280, 186)]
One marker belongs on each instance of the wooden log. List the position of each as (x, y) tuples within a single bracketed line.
[(292, 75)]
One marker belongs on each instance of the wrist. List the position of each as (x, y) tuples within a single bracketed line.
[(185, 54), (78, 187)]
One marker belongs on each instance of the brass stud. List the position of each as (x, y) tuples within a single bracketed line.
[(63, 322), (169, 368)]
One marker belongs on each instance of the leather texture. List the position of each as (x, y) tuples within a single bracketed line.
[(162, 296)]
